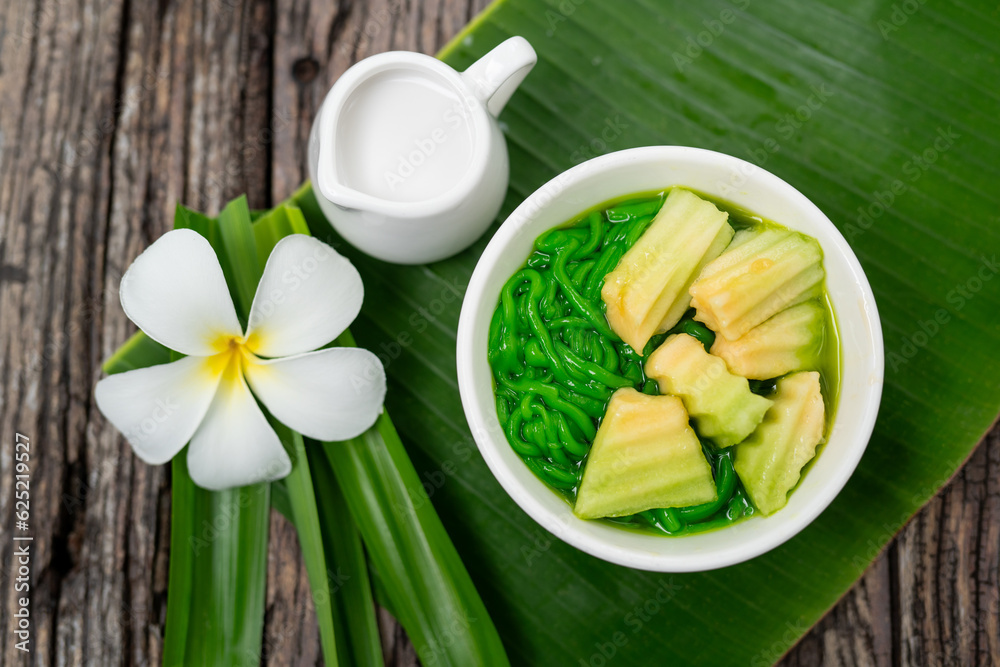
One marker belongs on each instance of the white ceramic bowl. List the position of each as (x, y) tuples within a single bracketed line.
[(648, 169)]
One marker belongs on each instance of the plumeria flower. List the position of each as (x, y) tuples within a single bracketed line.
[(176, 293)]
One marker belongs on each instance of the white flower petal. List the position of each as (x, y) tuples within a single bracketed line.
[(235, 445), (308, 294), (333, 394), (159, 408), (176, 293)]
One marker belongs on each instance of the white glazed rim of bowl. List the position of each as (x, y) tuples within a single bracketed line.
[(750, 187)]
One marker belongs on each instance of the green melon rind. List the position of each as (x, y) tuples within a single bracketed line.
[(721, 404), (770, 461), (645, 456), (761, 273), (648, 290), (790, 341)]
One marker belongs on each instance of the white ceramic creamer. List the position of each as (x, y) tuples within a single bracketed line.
[(406, 156)]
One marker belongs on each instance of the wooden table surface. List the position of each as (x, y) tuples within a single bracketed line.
[(113, 110)]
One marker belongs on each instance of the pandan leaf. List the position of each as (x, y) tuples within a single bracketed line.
[(302, 503), (218, 539), (139, 351), (218, 566), (312, 498), (274, 225), (427, 585), (358, 640)]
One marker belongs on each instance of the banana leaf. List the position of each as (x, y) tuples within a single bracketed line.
[(884, 113)]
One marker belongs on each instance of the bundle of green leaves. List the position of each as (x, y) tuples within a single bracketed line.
[(350, 490)]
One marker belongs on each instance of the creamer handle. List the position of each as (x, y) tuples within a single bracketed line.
[(494, 77)]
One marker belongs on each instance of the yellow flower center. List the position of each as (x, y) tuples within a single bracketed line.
[(231, 358)]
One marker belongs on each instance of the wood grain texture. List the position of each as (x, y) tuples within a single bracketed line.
[(110, 112), (932, 597)]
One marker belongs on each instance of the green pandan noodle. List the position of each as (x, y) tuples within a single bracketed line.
[(556, 361)]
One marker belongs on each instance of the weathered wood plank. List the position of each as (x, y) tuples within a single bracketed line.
[(61, 79), (858, 631)]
